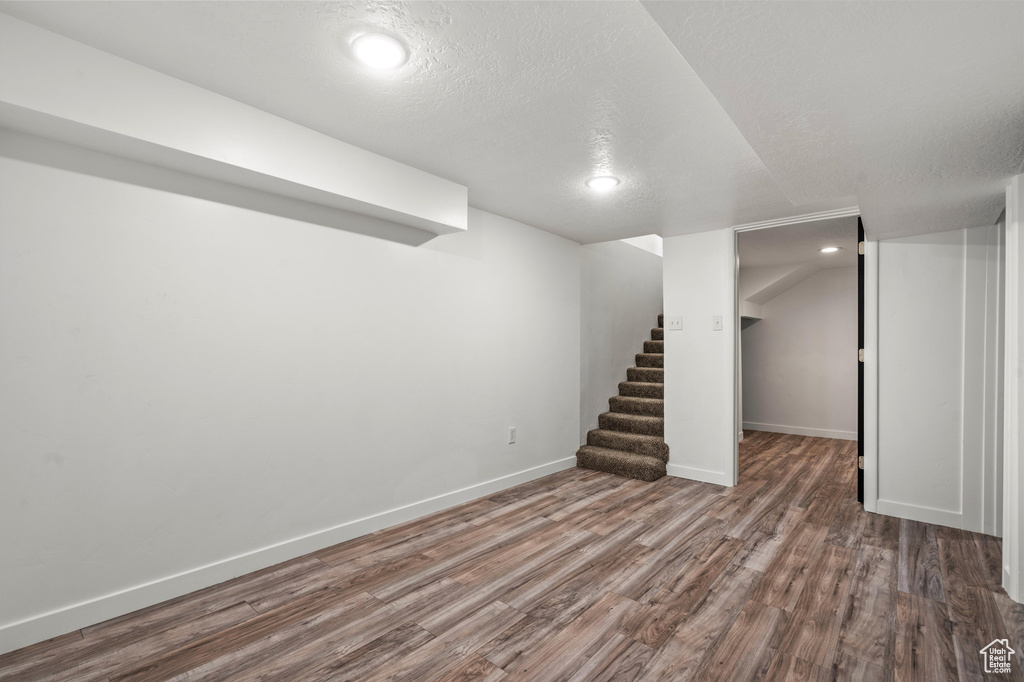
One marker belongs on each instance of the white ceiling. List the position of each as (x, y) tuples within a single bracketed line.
[(799, 244), (915, 108)]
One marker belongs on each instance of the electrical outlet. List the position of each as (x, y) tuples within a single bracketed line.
[(716, 323), (511, 435)]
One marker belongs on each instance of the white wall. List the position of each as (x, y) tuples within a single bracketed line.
[(1013, 460), (620, 299), (700, 283), (800, 361), (938, 302), (192, 390)]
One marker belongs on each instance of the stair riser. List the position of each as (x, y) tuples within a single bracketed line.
[(661, 320), (645, 390), (624, 405), (622, 422), (651, 471), (647, 374), (658, 334), (650, 360), (654, 346), (628, 442)]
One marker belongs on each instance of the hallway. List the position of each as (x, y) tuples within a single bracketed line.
[(583, 575)]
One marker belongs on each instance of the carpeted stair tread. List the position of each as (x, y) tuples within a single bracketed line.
[(630, 438), (642, 389), (622, 463), (650, 360), (654, 375), (652, 407), (632, 423), (637, 443)]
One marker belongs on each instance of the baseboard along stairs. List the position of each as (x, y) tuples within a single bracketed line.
[(630, 438)]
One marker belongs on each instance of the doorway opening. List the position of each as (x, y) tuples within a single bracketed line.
[(799, 307)]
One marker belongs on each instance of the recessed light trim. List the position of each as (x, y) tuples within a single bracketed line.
[(379, 51), (829, 249), (603, 183)]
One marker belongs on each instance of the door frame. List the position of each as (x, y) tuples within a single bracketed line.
[(868, 392)]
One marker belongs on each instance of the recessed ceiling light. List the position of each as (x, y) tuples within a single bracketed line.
[(602, 183), (379, 51), (829, 249)]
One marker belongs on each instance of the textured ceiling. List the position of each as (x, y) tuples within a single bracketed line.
[(522, 101), (519, 101), (799, 244), (917, 108)]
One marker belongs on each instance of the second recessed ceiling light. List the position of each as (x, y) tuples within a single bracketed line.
[(380, 51), (602, 183)]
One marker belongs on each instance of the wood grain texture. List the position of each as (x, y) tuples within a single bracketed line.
[(583, 576)]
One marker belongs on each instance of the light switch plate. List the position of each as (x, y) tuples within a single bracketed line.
[(716, 323), (675, 323)]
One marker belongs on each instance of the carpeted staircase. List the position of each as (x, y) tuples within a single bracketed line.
[(630, 439)]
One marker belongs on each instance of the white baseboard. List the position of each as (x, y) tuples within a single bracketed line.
[(695, 474), (58, 622), (800, 431), (940, 517)]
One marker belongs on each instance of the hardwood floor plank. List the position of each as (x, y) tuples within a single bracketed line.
[(923, 641), (1013, 615), (514, 642), (968, 660), (763, 545), (961, 562), (786, 668), (488, 544), (919, 570), (850, 669), (360, 662), (534, 590), (785, 576), (548, 545), (847, 525), (114, 661), (881, 531), (562, 654), (621, 659), (38, 656), (747, 650), (668, 563), (586, 576), (654, 622), (325, 603), (990, 553), (687, 653), (443, 653), (865, 628), (876, 566), (294, 645), (813, 634), (473, 668)]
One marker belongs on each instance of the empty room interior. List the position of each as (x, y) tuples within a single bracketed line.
[(511, 340)]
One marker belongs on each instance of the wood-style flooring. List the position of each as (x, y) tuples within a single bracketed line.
[(587, 576)]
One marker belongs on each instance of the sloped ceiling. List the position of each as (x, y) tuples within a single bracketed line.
[(712, 114), (774, 261)]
